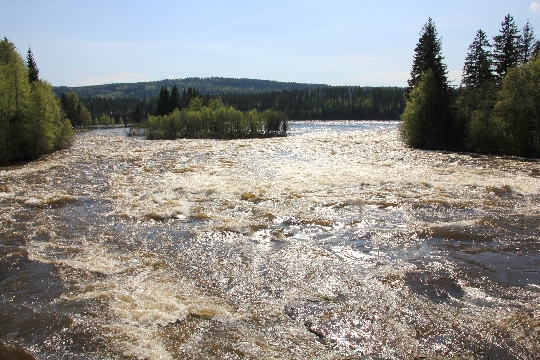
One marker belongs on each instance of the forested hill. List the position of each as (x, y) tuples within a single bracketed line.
[(210, 85)]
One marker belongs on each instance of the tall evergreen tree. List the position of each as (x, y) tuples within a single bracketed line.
[(477, 69), (163, 102), (174, 99), (507, 46), (428, 56), (527, 43), (536, 50), (33, 71), (428, 117), (138, 115)]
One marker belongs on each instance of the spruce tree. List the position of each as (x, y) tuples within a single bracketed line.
[(428, 56), (507, 47), (33, 71), (428, 116), (138, 115), (527, 43), (163, 102), (174, 99), (536, 50), (477, 69)]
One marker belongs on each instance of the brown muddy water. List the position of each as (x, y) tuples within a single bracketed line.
[(335, 242)]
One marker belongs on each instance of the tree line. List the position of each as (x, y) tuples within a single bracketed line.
[(495, 109), (32, 122), (327, 103), (209, 85)]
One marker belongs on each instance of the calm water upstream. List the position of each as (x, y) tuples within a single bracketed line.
[(335, 242)]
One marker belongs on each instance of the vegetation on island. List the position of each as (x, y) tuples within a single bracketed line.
[(194, 116), (495, 110), (32, 122)]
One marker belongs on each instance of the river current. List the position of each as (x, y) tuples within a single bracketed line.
[(336, 242)]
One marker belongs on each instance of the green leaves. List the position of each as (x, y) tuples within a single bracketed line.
[(425, 120), (517, 110), (216, 121), (31, 121)]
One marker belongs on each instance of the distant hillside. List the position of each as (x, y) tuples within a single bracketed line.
[(211, 85)]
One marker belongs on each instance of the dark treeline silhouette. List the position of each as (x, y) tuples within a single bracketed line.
[(328, 103), (495, 110), (134, 110)]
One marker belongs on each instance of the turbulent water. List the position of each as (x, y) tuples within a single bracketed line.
[(335, 242)]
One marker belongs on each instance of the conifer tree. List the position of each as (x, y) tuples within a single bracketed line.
[(163, 102), (527, 43), (477, 69), (174, 100), (33, 71), (536, 50), (428, 56), (137, 114), (31, 121), (428, 116), (506, 46)]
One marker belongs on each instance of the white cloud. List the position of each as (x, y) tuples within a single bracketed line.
[(535, 7)]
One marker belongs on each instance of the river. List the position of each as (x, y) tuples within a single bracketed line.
[(336, 242)]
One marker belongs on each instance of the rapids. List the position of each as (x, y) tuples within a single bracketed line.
[(334, 242)]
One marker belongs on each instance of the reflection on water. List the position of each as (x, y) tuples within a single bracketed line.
[(334, 242)]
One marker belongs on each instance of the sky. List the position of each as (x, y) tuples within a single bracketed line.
[(335, 42)]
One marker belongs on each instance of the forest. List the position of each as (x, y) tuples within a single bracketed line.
[(326, 103), (496, 109), (32, 122), (209, 85)]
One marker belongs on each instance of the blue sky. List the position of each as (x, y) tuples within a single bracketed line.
[(337, 42)]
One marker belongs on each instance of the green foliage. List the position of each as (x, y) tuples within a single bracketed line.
[(477, 70), (328, 103), (490, 114), (507, 47), (116, 108), (163, 102), (427, 115), (77, 114), (428, 120), (31, 120), (174, 100), (215, 121), (212, 85), (475, 108), (517, 111), (527, 43), (105, 120), (428, 56), (33, 71)]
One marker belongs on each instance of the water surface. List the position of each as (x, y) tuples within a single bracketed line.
[(335, 242)]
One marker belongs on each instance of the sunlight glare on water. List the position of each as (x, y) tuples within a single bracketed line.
[(335, 241)]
